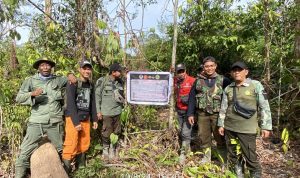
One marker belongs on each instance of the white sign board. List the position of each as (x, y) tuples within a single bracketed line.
[(149, 88)]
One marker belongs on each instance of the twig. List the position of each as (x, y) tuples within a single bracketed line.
[(146, 131), (36, 6)]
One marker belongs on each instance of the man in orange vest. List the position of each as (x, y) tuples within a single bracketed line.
[(183, 84)]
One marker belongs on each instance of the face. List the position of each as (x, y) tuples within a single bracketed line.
[(181, 74), (45, 69), (209, 68), (85, 72), (239, 74), (116, 74)]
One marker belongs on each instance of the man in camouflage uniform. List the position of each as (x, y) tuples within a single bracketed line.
[(205, 102), (109, 96), (43, 92), (238, 126)]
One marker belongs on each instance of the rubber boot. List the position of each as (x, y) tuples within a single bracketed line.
[(222, 151), (105, 150), (21, 172), (80, 160), (207, 156), (238, 169), (185, 148), (255, 174), (112, 151), (67, 165)]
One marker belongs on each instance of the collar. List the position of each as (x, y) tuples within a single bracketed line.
[(203, 76), (245, 84), (40, 77)]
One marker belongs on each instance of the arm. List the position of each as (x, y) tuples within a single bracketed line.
[(94, 110), (98, 96), (223, 109), (192, 101), (263, 104), (222, 113), (71, 103), (24, 95)]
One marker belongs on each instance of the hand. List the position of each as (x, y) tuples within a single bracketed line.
[(37, 92), (72, 79), (95, 125), (99, 115), (265, 133), (191, 120), (78, 127), (221, 131)]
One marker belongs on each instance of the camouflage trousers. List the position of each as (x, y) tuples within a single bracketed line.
[(207, 126)]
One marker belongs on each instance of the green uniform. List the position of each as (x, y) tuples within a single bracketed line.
[(107, 104), (46, 115), (251, 94), (105, 97)]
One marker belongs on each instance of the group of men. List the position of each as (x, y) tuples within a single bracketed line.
[(69, 104), (224, 111)]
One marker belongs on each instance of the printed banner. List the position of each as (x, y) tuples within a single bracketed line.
[(149, 88)]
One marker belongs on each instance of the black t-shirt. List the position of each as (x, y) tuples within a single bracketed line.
[(74, 109)]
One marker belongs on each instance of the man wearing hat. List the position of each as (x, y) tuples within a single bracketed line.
[(238, 119), (43, 92), (182, 86), (109, 95), (80, 109), (205, 102)]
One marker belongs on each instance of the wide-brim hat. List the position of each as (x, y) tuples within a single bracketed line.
[(37, 63)]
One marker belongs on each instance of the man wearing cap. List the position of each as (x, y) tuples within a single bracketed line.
[(182, 86), (205, 102), (109, 104), (80, 109), (43, 92), (238, 119)]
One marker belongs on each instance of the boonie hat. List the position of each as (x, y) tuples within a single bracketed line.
[(37, 63)]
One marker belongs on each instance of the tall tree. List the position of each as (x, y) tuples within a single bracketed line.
[(297, 29), (48, 11)]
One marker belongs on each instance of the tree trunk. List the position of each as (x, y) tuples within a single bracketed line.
[(45, 163), (297, 29), (80, 27), (172, 102), (13, 57), (267, 29), (48, 11)]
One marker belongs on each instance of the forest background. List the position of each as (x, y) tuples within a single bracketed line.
[(263, 33)]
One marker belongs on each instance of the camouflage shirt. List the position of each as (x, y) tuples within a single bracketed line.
[(262, 102)]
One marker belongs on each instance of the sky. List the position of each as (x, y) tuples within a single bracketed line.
[(162, 11)]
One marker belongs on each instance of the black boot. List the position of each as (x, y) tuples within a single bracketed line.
[(80, 160), (67, 165)]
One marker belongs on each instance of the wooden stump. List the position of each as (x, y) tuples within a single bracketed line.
[(45, 163)]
